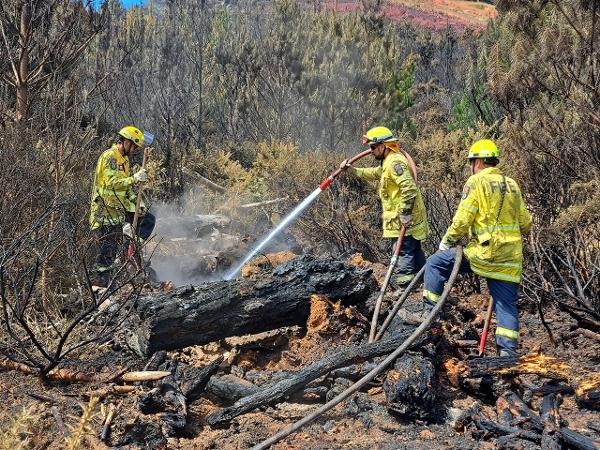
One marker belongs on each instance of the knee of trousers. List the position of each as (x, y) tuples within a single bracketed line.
[(406, 264)]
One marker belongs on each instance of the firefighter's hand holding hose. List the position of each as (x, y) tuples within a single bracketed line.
[(128, 230), (346, 166), (140, 176), (406, 219), (444, 246)]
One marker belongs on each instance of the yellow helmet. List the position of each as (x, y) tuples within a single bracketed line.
[(378, 135), (133, 134), (484, 148)]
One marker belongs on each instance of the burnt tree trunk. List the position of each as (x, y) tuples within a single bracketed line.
[(228, 389), (550, 416), (570, 437), (195, 379), (196, 315)]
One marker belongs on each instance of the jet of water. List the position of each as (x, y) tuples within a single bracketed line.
[(291, 216), (283, 224)]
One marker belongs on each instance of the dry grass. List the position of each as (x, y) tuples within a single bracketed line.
[(83, 426), (16, 429)]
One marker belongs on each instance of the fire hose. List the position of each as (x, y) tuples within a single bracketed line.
[(290, 216), (131, 248), (375, 371), (335, 174), (385, 283), (399, 303)]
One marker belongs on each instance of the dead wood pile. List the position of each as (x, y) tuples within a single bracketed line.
[(234, 374)]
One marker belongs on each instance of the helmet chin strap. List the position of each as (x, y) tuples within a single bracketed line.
[(473, 168)]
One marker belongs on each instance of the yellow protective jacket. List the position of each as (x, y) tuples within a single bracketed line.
[(495, 249), (112, 192), (399, 194)]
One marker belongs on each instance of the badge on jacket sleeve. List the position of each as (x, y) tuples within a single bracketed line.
[(466, 191), (399, 169), (113, 163)]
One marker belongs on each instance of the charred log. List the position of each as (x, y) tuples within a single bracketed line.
[(505, 416), (227, 389), (410, 387), (275, 392), (559, 388), (156, 360), (195, 315), (551, 420), (353, 372), (570, 437), (168, 400), (195, 379), (501, 430)]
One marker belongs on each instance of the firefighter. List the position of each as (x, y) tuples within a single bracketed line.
[(493, 215), (113, 201), (401, 200)]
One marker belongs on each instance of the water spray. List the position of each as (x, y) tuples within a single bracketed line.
[(293, 214)]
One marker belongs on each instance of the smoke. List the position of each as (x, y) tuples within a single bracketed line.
[(193, 246), (189, 244)]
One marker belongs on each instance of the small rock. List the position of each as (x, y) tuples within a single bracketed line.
[(329, 426), (427, 434), (453, 415)]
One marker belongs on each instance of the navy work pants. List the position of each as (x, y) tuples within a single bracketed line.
[(410, 260), (505, 293)]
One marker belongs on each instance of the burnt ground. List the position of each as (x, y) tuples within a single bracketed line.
[(362, 422)]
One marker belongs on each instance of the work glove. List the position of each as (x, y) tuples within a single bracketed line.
[(128, 230), (140, 176), (444, 246), (406, 220), (344, 165)]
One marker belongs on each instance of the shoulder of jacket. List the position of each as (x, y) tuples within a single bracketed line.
[(512, 182), (393, 160), (107, 154), (474, 180), (398, 157)]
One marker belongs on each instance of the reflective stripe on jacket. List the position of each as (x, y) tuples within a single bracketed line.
[(112, 193), (399, 194), (495, 248)]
